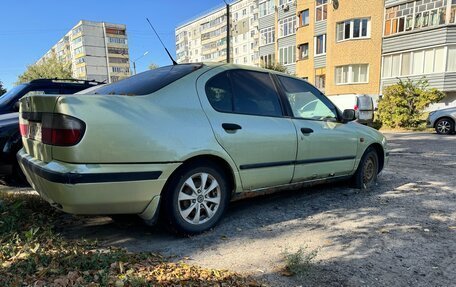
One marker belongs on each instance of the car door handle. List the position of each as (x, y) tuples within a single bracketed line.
[(307, 130), (231, 127)]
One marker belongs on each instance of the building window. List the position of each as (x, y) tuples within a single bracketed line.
[(120, 70), (118, 60), (117, 40), (76, 40), (320, 81), (287, 26), (117, 51), (79, 61), (287, 55), (320, 45), (77, 30), (352, 74), (267, 36), (282, 2), (266, 8), (116, 31), (79, 50), (321, 10), (353, 29), (418, 62), (267, 60), (415, 15), (304, 51), (451, 59), (304, 18)]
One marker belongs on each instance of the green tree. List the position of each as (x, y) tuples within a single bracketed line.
[(153, 66), (275, 67), (2, 89), (47, 69), (403, 104)]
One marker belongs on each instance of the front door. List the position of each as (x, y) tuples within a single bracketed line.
[(246, 115), (326, 147)]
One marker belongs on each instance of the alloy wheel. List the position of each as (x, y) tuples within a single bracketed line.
[(199, 198), (443, 127)]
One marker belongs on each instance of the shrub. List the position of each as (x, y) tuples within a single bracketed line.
[(299, 262), (403, 104), (275, 67)]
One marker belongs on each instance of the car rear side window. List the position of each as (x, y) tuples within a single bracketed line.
[(244, 92), (220, 93), (148, 82)]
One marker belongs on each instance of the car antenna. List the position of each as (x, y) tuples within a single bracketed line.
[(169, 55)]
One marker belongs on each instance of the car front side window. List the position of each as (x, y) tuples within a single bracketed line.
[(306, 102)]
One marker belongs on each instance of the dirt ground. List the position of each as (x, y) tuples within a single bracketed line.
[(400, 233)]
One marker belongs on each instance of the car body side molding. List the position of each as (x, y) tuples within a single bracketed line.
[(78, 178), (294, 162)]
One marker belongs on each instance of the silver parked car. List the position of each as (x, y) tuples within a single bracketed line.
[(443, 121)]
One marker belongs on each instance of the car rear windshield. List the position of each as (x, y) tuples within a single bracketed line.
[(148, 82)]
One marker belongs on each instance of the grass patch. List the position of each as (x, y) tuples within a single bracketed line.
[(32, 253), (299, 262)]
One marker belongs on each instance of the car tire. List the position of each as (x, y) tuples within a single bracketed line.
[(366, 174), (189, 207), (444, 126)]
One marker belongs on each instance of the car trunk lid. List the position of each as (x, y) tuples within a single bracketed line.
[(32, 109)]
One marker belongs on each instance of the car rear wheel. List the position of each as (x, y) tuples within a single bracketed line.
[(444, 126), (366, 174), (196, 199)]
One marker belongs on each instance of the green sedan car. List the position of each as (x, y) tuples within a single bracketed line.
[(183, 141)]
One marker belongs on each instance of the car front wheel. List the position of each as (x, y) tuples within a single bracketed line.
[(366, 174), (196, 199), (444, 126)]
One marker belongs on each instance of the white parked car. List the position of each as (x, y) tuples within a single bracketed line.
[(364, 106)]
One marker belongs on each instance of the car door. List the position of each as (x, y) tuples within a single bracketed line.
[(326, 147), (246, 115)]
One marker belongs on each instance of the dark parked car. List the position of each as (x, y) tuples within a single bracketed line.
[(10, 138)]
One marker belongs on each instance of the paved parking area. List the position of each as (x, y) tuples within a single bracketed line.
[(400, 233)]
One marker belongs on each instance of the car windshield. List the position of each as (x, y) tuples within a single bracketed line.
[(148, 82), (11, 94)]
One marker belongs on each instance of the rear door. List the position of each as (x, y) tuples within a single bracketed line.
[(326, 147), (245, 113)]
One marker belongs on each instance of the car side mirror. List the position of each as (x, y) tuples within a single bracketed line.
[(348, 115), (16, 106)]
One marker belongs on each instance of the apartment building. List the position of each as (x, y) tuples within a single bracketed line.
[(277, 25), (244, 32), (339, 45), (204, 39), (96, 50), (419, 40)]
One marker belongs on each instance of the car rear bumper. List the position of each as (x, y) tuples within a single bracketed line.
[(97, 188)]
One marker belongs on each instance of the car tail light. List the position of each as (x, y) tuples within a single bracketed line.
[(23, 128), (355, 107), (61, 130), (52, 129)]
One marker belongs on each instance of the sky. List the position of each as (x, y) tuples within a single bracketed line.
[(29, 28)]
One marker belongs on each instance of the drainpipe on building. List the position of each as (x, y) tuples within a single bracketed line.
[(227, 32), (106, 51)]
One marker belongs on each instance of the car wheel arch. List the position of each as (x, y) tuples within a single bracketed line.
[(380, 154), (200, 159), (444, 118)]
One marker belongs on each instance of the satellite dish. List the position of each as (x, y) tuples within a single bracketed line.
[(335, 4)]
